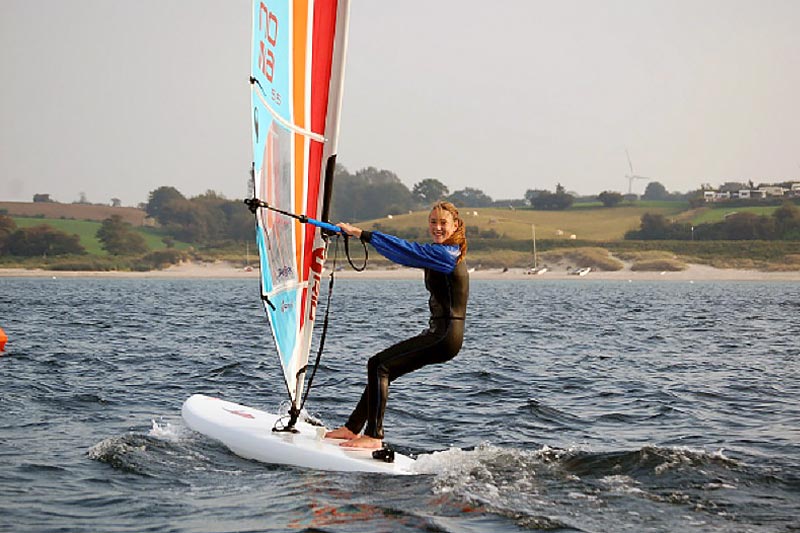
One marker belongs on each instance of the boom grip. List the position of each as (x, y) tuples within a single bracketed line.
[(325, 225)]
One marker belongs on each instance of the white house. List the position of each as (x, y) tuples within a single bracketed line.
[(773, 190), (750, 193), (761, 192)]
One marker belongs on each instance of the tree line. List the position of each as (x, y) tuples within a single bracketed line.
[(37, 241), (116, 237), (782, 224), (375, 193), (372, 193), (210, 219)]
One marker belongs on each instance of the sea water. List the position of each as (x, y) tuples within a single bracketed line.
[(573, 406)]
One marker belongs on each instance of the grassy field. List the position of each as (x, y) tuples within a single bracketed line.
[(87, 231), (586, 223), (712, 215), (51, 210)]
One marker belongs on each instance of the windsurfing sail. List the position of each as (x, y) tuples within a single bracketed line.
[(297, 72)]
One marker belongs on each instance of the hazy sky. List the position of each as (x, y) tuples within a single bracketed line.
[(115, 98)]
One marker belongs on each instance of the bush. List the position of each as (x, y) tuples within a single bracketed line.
[(790, 263), (498, 259), (88, 264), (609, 198), (7, 228), (474, 232), (597, 258), (159, 259), (658, 265), (119, 238), (42, 241)]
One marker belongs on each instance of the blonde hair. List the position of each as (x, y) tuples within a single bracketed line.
[(459, 236)]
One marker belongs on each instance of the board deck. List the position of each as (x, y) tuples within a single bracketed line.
[(247, 432)]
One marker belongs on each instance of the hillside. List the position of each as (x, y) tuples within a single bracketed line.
[(131, 215), (584, 235), (586, 223), (86, 230)]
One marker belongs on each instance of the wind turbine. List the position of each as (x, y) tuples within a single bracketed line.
[(632, 176)]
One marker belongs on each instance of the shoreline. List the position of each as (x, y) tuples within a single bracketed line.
[(224, 270)]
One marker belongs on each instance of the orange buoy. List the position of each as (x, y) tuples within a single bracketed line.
[(3, 339)]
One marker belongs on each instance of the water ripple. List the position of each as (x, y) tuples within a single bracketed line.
[(589, 406)]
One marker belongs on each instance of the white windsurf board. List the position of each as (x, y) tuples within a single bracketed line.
[(247, 432)]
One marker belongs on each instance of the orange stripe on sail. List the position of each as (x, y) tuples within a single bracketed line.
[(299, 45)]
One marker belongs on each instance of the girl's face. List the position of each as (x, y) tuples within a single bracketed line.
[(441, 225)]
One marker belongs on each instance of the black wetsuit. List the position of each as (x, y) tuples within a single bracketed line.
[(447, 281)]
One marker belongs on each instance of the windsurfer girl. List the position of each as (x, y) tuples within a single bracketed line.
[(447, 280)]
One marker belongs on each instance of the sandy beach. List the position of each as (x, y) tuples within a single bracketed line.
[(224, 270)]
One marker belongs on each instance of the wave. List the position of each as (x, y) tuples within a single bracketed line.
[(164, 450), (579, 490)]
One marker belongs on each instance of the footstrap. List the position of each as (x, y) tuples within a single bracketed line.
[(384, 454)]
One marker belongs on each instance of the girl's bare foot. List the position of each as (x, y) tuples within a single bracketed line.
[(340, 433), (363, 442)]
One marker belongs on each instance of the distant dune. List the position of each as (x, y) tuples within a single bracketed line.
[(131, 215)]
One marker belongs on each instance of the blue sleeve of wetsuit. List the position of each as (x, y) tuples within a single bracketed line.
[(439, 257)]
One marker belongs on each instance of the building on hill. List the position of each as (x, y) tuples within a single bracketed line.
[(773, 191), (762, 192), (749, 193)]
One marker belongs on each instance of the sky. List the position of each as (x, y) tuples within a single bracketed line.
[(113, 99)]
